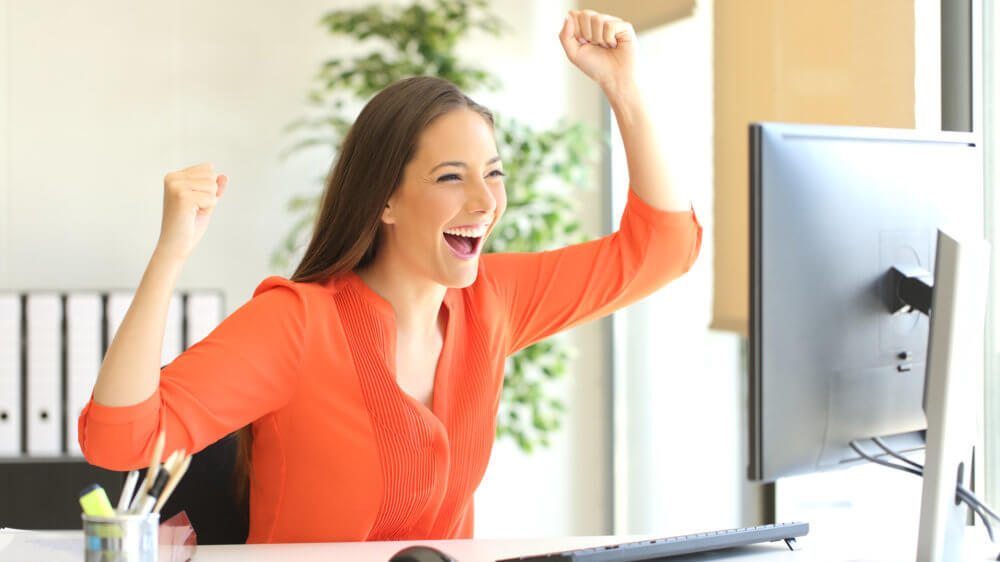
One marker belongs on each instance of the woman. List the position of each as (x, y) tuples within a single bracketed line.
[(371, 379)]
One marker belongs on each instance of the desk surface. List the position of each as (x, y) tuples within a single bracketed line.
[(59, 546)]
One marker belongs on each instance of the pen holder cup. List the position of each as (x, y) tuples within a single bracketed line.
[(122, 538)]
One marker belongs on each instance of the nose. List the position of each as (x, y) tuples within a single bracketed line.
[(481, 200)]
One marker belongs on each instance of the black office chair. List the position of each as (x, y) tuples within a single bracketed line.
[(205, 493)]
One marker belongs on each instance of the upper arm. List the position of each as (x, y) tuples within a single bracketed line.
[(244, 368), (547, 292)]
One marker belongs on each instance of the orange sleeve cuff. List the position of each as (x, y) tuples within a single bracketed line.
[(100, 413), (658, 217)]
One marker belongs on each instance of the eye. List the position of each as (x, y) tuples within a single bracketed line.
[(448, 177), (497, 173)]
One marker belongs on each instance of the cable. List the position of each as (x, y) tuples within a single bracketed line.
[(963, 493), (963, 489), (960, 490), (976, 507), (989, 528), (884, 463), (971, 497), (895, 454)]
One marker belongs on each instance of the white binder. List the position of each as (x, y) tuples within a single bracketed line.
[(117, 306), (120, 301), (173, 340), (83, 359), (204, 313), (10, 374), (44, 373)]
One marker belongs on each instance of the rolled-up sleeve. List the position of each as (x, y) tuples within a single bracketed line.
[(548, 292), (245, 368)]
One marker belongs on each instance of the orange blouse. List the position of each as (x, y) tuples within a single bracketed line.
[(340, 451)]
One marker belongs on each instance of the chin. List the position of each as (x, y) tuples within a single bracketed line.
[(465, 279), (460, 279)]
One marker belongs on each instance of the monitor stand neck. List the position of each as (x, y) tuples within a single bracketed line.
[(954, 368)]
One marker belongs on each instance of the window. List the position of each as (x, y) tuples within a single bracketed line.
[(991, 125)]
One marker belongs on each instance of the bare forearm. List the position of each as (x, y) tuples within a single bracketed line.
[(130, 372), (647, 167)]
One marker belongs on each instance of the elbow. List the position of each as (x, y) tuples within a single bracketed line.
[(695, 250), (111, 455), (104, 451), (112, 446)]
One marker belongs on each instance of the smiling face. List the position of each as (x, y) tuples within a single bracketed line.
[(454, 180)]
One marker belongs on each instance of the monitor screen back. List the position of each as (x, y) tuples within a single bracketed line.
[(832, 210)]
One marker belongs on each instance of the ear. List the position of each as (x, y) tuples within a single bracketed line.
[(387, 215)]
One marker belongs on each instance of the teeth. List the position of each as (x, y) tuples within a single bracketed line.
[(468, 232)]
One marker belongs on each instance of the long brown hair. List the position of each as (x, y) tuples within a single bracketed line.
[(377, 148)]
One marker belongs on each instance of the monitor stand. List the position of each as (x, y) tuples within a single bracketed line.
[(954, 368)]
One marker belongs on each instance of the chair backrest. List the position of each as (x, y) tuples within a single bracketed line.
[(205, 493)]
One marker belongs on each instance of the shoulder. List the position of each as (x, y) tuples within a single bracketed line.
[(309, 295), (279, 294), (482, 294), (276, 283)]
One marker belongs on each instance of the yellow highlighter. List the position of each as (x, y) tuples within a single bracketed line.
[(95, 502)]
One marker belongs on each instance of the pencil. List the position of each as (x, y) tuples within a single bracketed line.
[(163, 473), (154, 467), (175, 477), (172, 460)]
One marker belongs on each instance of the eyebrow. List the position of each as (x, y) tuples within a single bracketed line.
[(463, 164)]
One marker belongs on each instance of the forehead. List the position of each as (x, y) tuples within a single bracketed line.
[(460, 134)]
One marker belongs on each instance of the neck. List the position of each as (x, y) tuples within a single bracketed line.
[(415, 301)]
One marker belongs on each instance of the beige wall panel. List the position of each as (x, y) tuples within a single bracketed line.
[(809, 61), (643, 14)]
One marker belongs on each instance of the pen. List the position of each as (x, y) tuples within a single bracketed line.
[(175, 477), (154, 465), (127, 489), (149, 500), (163, 473)]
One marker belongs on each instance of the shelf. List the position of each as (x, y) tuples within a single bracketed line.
[(29, 459)]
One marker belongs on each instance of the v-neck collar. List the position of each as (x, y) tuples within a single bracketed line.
[(383, 307)]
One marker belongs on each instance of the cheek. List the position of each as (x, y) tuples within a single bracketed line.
[(500, 195), (432, 208)]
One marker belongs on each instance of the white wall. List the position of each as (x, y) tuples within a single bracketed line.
[(106, 97), (99, 100), (680, 443), (927, 64), (564, 490)]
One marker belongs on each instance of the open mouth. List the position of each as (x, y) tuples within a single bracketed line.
[(463, 246)]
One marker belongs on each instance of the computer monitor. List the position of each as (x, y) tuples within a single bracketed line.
[(833, 210), (851, 252)]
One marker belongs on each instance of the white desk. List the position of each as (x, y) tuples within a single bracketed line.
[(60, 546)]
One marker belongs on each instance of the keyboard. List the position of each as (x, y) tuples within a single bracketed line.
[(675, 546)]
